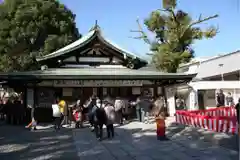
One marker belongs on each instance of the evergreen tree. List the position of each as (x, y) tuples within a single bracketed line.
[(174, 33), (30, 28)]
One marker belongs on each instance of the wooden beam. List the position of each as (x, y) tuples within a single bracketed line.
[(105, 53), (114, 53)]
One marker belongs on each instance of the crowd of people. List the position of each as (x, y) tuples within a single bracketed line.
[(98, 112), (228, 100), (13, 111), (107, 111)]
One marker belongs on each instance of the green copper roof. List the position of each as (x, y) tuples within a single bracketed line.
[(97, 73), (71, 47), (93, 33)]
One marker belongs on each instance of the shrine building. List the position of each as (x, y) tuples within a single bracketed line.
[(92, 64)]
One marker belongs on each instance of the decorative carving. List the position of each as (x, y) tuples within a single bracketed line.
[(44, 67), (131, 65), (96, 45)]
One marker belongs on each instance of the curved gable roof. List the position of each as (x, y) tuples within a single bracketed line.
[(94, 32)]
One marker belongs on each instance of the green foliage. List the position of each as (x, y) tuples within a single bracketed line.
[(174, 33), (30, 28)]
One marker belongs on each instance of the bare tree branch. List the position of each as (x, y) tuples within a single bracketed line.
[(200, 20), (150, 54), (135, 31), (164, 10), (143, 35), (171, 11), (140, 37), (200, 16)]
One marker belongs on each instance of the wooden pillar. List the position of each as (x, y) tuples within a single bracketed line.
[(24, 99), (25, 96), (34, 100), (155, 91), (170, 95)]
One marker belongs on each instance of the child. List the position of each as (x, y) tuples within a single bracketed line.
[(32, 125), (77, 113)]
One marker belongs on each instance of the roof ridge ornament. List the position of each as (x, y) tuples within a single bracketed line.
[(96, 27)]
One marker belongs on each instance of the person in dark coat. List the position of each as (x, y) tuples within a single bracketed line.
[(1, 110), (138, 109), (143, 108), (220, 98), (99, 119), (7, 109), (146, 107), (238, 109), (110, 118), (119, 105), (19, 111)]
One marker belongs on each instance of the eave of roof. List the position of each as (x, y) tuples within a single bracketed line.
[(224, 64), (71, 47), (95, 74), (95, 32)]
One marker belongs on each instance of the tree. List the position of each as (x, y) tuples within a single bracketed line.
[(31, 28), (174, 33)]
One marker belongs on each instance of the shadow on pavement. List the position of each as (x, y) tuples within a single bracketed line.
[(18, 143), (134, 141), (191, 142), (225, 140)]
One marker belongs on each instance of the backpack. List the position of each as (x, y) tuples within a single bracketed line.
[(100, 116)]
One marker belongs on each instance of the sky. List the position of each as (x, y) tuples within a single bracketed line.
[(117, 17)]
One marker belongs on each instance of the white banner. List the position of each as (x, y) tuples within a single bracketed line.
[(97, 83)]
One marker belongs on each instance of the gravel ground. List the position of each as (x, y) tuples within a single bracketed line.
[(17, 143)]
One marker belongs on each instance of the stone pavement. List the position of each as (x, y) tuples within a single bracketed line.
[(133, 141), (17, 143), (137, 141), (177, 131)]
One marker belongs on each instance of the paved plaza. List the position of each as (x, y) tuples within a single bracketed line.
[(17, 143), (133, 141)]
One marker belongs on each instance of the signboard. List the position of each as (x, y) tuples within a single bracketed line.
[(45, 97), (136, 90), (67, 92), (96, 83)]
